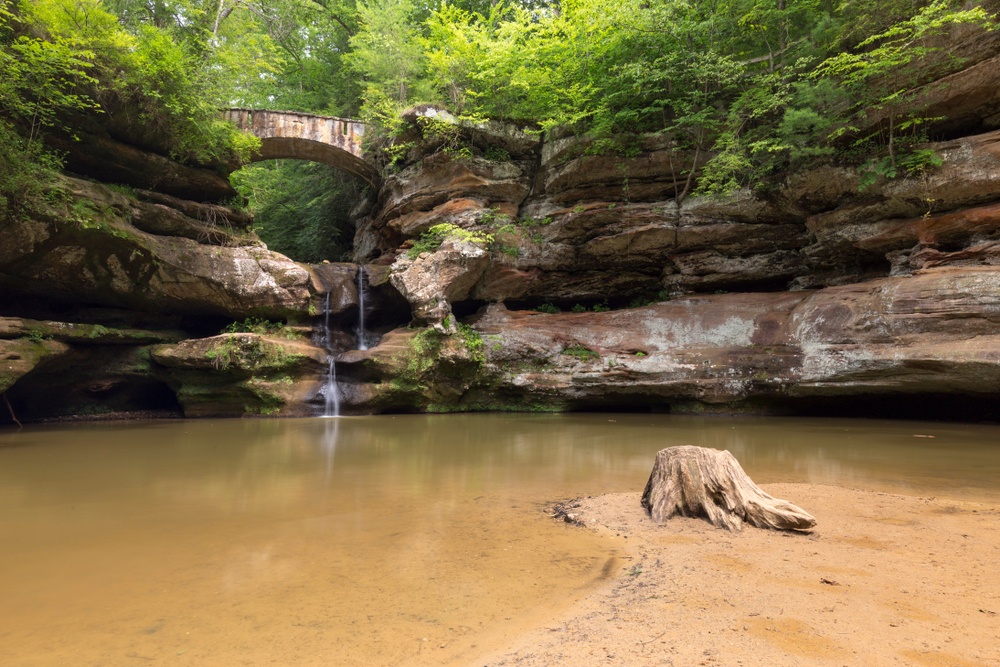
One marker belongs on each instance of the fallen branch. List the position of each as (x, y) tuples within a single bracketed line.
[(10, 409)]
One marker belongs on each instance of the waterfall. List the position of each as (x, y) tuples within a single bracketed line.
[(360, 332), (365, 340), (331, 393)]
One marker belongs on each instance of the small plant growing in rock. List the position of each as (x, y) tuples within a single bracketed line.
[(639, 302), (548, 308), (534, 222), (426, 243), (473, 343), (462, 153), (254, 325), (509, 250), (493, 216), (602, 307), (261, 327), (432, 239), (453, 143), (496, 154), (420, 356), (580, 352), (248, 353), (579, 308), (397, 151)]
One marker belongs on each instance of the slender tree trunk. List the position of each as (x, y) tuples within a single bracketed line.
[(221, 14), (782, 32), (892, 140)]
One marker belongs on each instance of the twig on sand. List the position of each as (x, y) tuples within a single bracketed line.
[(643, 644)]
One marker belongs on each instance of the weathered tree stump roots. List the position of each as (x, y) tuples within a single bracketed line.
[(701, 482)]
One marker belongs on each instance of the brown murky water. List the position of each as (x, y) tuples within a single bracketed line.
[(406, 540)]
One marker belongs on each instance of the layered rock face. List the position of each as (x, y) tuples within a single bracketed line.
[(96, 245), (108, 294), (601, 291), (504, 272)]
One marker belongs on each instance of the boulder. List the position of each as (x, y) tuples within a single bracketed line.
[(440, 178), (335, 286), (515, 140), (434, 280), (439, 189)]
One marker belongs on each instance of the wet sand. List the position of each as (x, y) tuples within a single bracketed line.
[(883, 580)]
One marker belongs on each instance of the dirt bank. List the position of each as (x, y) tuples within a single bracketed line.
[(883, 580)]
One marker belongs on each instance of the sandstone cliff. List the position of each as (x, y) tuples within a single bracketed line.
[(591, 288), (503, 272)]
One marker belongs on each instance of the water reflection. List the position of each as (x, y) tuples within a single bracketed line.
[(331, 430), (211, 542)]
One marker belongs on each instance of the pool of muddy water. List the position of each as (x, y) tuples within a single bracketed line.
[(389, 540)]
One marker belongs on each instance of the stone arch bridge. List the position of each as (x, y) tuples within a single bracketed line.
[(304, 136)]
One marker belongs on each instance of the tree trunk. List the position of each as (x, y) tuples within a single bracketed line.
[(702, 482)]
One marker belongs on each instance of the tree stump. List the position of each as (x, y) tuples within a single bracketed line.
[(701, 482)]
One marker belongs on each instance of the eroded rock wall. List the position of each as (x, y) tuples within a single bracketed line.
[(503, 272), (607, 287), (104, 289)]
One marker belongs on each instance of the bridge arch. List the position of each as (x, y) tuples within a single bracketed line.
[(304, 136)]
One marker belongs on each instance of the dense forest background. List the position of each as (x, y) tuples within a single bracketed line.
[(750, 87)]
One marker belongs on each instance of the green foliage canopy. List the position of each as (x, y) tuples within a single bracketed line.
[(744, 88)]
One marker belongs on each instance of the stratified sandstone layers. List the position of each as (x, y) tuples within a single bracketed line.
[(508, 272)]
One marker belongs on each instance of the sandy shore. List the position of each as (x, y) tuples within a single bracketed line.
[(883, 580)]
